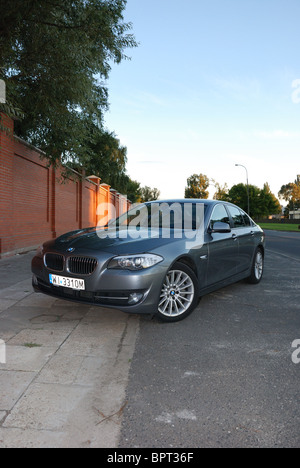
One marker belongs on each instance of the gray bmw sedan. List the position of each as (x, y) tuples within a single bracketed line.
[(158, 258)]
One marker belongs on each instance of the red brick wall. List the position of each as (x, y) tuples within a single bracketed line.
[(6, 187), (35, 206)]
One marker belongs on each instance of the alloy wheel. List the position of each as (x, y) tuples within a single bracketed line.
[(177, 294), (258, 266)]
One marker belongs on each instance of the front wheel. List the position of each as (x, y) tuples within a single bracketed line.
[(179, 294), (257, 268)]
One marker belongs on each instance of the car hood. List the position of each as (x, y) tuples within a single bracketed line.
[(110, 241)]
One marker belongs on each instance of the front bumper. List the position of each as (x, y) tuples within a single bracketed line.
[(133, 292)]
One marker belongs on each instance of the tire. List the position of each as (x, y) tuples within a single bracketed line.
[(257, 268), (179, 294)]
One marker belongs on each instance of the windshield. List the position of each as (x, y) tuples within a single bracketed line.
[(162, 215)]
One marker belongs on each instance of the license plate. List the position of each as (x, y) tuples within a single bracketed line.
[(72, 283)]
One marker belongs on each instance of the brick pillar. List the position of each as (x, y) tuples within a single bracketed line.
[(96, 180), (105, 200), (113, 197)]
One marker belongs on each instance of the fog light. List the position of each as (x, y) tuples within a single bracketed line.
[(134, 298)]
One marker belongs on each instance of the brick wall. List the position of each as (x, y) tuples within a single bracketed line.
[(35, 206)]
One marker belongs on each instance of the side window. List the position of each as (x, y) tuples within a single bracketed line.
[(219, 214), (246, 219), (237, 216)]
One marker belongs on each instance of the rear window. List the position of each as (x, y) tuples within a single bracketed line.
[(246, 219), (237, 216)]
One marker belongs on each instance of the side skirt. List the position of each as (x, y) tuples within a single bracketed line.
[(224, 283)]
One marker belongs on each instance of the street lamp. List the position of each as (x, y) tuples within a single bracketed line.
[(247, 187)]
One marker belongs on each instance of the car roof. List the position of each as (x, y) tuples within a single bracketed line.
[(205, 201), (186, 200)]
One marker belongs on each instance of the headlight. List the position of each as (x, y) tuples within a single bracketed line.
[(135, 262)]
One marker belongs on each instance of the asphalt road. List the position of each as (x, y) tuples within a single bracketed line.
[(224, 377), (286, 243)]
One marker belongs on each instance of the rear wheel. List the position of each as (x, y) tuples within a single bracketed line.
[(179, 294), (257, 267)]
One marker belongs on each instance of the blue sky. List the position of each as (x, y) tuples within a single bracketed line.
[(210, 85)]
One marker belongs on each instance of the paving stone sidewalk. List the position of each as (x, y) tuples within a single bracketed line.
[(63, 383)]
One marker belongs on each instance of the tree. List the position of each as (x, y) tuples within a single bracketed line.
[(107, 157), (197, 186), (262, 201), (286, 192), (108, 160), (132, 190), (268, 203), (291, 193), (221, 191), (53, 57), (238, 195), (148, 194)]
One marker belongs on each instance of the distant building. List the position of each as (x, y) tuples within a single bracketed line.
[(294, 214)]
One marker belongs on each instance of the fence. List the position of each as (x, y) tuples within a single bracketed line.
[(35, 206), (276, 221)]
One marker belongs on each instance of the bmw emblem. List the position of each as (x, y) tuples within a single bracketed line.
[(71, 249)]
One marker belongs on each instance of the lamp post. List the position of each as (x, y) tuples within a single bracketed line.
[(247, 187)]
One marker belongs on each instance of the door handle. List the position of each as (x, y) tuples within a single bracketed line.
[(234, 237)]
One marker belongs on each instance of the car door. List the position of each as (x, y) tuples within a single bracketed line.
[(244, 233), (222, 249)]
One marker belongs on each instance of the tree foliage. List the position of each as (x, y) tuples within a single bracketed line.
[(197, 185), (108, 160), (291, 193), (268, 203), (54, 56), (221, 191), (148, 194), (108, 157), (132, 189), (262, 201)]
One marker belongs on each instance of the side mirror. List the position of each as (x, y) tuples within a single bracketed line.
[(220, 227)]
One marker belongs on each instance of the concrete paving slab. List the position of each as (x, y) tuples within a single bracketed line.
[(79, 346), (26, 359), (18, 438), (66, 313), (15, 269), (39, 300), (63, 369), (52, 322), (40, 337), (18, 291), (13, 385), (5, 304), (17, 318), (45, 406), (64, 380)]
